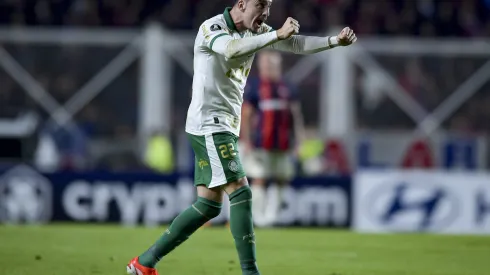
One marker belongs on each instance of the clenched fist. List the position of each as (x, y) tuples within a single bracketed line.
[(289, 28), (346, 37)]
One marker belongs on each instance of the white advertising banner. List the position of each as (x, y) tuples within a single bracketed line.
[(422, 201)]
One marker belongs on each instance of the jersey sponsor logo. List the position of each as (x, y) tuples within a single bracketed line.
[(25, 196), (215, 27)]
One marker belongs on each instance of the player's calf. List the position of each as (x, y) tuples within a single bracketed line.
[(241, 224), (181, 229)]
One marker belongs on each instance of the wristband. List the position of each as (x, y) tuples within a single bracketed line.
[(332, 41)]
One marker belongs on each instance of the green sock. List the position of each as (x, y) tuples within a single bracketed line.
[(241, 226), (181, 228)]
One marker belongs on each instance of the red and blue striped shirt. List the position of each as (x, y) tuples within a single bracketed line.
[(273, 123)]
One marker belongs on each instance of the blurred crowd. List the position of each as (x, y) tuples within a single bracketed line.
[(62, 70), (387, 17)]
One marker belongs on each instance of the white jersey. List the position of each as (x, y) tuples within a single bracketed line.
[(218, 84)]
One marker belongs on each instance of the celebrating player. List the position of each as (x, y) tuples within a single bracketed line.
[(224, 49), (271, 118)]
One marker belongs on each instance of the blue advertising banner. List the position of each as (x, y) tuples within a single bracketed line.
[(151, 199)]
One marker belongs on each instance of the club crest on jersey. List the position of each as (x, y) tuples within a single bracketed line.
[(233, 166), (215, 27)]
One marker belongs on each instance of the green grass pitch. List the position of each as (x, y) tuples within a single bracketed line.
[(96, 249)]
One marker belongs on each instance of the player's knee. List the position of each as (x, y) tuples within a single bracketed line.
[(213, 212), (247, 192), (230, 188), (243, 193), (210, 209)]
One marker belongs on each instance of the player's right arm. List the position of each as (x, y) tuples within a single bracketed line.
[(219, 41)]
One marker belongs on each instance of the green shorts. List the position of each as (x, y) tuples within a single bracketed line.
[(217, 159)]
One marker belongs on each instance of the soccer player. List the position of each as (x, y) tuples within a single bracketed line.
[(271, 116), (224, 49)]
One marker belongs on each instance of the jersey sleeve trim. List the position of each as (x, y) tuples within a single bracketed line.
[(214, 38)]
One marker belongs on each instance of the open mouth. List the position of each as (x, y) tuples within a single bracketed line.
[(258, 23)]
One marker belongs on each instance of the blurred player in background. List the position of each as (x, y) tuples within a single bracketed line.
[(272, 127), (224, 51)]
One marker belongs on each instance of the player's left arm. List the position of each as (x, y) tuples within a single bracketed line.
[(301, 44)]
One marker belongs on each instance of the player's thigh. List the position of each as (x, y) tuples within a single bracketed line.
[(213, 194), (283, 168), (217, 159), (258, 164)]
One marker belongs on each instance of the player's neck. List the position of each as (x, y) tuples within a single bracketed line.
[(236, 16)]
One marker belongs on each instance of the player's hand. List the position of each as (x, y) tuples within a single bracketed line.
[(346, 37), (289, 28)]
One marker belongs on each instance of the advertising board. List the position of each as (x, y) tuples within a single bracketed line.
[(401, 150), (421, 201), (151, 199)]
